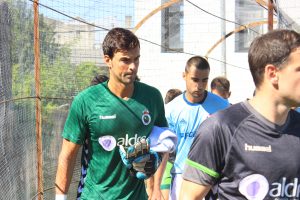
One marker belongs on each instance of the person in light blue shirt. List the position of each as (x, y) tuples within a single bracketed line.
[(298, 109), (187, 111)]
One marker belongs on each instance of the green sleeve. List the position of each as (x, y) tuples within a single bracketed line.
[(75, 128)]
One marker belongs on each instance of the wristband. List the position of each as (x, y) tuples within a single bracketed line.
[(60, 197)]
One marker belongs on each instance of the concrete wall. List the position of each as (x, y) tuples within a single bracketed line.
[(201, 32)]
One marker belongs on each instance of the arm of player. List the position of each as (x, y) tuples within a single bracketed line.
[(193, 191), (156, 192), (149, 186), (66, 162)]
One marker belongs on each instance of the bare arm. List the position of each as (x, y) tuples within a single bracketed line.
[(193, 191), (156, 193), (66, 162), (149, 186)]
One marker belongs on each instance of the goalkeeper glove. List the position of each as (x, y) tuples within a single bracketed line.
[(140, 160)]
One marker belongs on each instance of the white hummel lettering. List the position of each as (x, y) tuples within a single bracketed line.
[(258, 148), (108, 116)]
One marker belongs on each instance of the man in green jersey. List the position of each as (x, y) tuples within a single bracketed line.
[(120, 111)]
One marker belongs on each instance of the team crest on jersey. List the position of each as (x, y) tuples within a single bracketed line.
[(146, 118), (108, 142)]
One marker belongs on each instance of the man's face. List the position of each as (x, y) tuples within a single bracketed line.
[(289, 80), (196, 83), (124, 65)]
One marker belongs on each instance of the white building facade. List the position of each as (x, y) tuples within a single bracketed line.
[(192, 28)]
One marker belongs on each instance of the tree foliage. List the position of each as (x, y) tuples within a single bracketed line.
[(59, 78)]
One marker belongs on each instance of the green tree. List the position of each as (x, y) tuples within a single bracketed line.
[(22, 50), (85, 72), (59, 78)]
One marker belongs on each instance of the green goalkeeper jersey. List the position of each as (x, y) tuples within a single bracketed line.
[(108, 121)]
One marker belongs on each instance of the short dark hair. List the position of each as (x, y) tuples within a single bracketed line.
[(171, 94), (119, 39), (197, 61), (273, 48), (220, 83), (100, 78)]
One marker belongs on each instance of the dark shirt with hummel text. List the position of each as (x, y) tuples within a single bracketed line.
[(247, 156)]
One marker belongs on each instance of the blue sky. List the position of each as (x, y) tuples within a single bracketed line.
[(89, 10)]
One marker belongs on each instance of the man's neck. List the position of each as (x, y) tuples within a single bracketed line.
[(270, 108), (200, 99), (121, 90)]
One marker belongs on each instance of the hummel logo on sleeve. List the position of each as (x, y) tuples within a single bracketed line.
[(258, 148), (108, 116)]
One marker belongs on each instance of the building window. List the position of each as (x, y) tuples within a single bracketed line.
[(246, 12), (172, 28)]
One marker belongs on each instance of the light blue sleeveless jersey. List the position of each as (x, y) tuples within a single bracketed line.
[(185, 117)]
